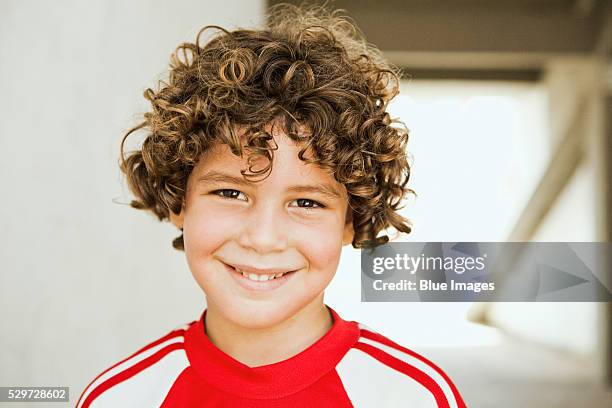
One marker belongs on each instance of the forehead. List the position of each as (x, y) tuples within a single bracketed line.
[(287, 168)]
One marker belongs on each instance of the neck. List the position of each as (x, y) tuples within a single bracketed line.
[(268, 345)]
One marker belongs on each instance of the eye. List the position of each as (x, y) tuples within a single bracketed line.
[(308, 204), (228, 193)]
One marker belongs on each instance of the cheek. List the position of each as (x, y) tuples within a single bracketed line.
[(322, 248), (206, 228)]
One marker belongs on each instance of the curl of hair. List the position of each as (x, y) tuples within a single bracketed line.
[(308, 67)]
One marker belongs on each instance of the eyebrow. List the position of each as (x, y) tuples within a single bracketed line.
[(320, 188)]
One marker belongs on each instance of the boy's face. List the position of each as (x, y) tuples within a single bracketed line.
[(295, 220)]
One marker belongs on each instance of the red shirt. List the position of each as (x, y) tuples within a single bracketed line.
[(351, 365)]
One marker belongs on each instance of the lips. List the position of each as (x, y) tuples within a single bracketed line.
[(260, 271), (259, 279), (259, 275)]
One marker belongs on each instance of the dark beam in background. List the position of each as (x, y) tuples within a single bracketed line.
[(532, 26), (528, 75)]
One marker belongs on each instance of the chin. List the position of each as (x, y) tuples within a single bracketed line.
[(260, 315)]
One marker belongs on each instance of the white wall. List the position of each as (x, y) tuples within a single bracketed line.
[(85, 281)]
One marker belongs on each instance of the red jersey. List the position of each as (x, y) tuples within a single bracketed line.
[(350, 366)]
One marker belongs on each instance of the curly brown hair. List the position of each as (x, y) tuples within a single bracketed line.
[(308, 67)]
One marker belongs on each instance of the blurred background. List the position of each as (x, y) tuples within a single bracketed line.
[(509, 107)]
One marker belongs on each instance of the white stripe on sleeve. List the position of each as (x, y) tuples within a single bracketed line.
[(370, 383), (420, 365), (149, 387), (127, 364)]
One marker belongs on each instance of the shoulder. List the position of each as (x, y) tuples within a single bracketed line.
[(143, 378), (376, 371)]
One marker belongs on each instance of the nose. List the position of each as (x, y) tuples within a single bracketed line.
[(265, 230)]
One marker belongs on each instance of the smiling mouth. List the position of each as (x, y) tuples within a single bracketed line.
[(260, 277)]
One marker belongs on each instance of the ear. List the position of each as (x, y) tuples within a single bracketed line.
[(177, 219), (348, 232)]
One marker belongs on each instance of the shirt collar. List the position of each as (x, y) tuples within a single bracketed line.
[(278, 379)]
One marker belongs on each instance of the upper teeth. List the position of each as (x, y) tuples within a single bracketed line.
[(260, 278)]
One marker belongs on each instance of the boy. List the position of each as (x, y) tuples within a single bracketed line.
[(270, 150)]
